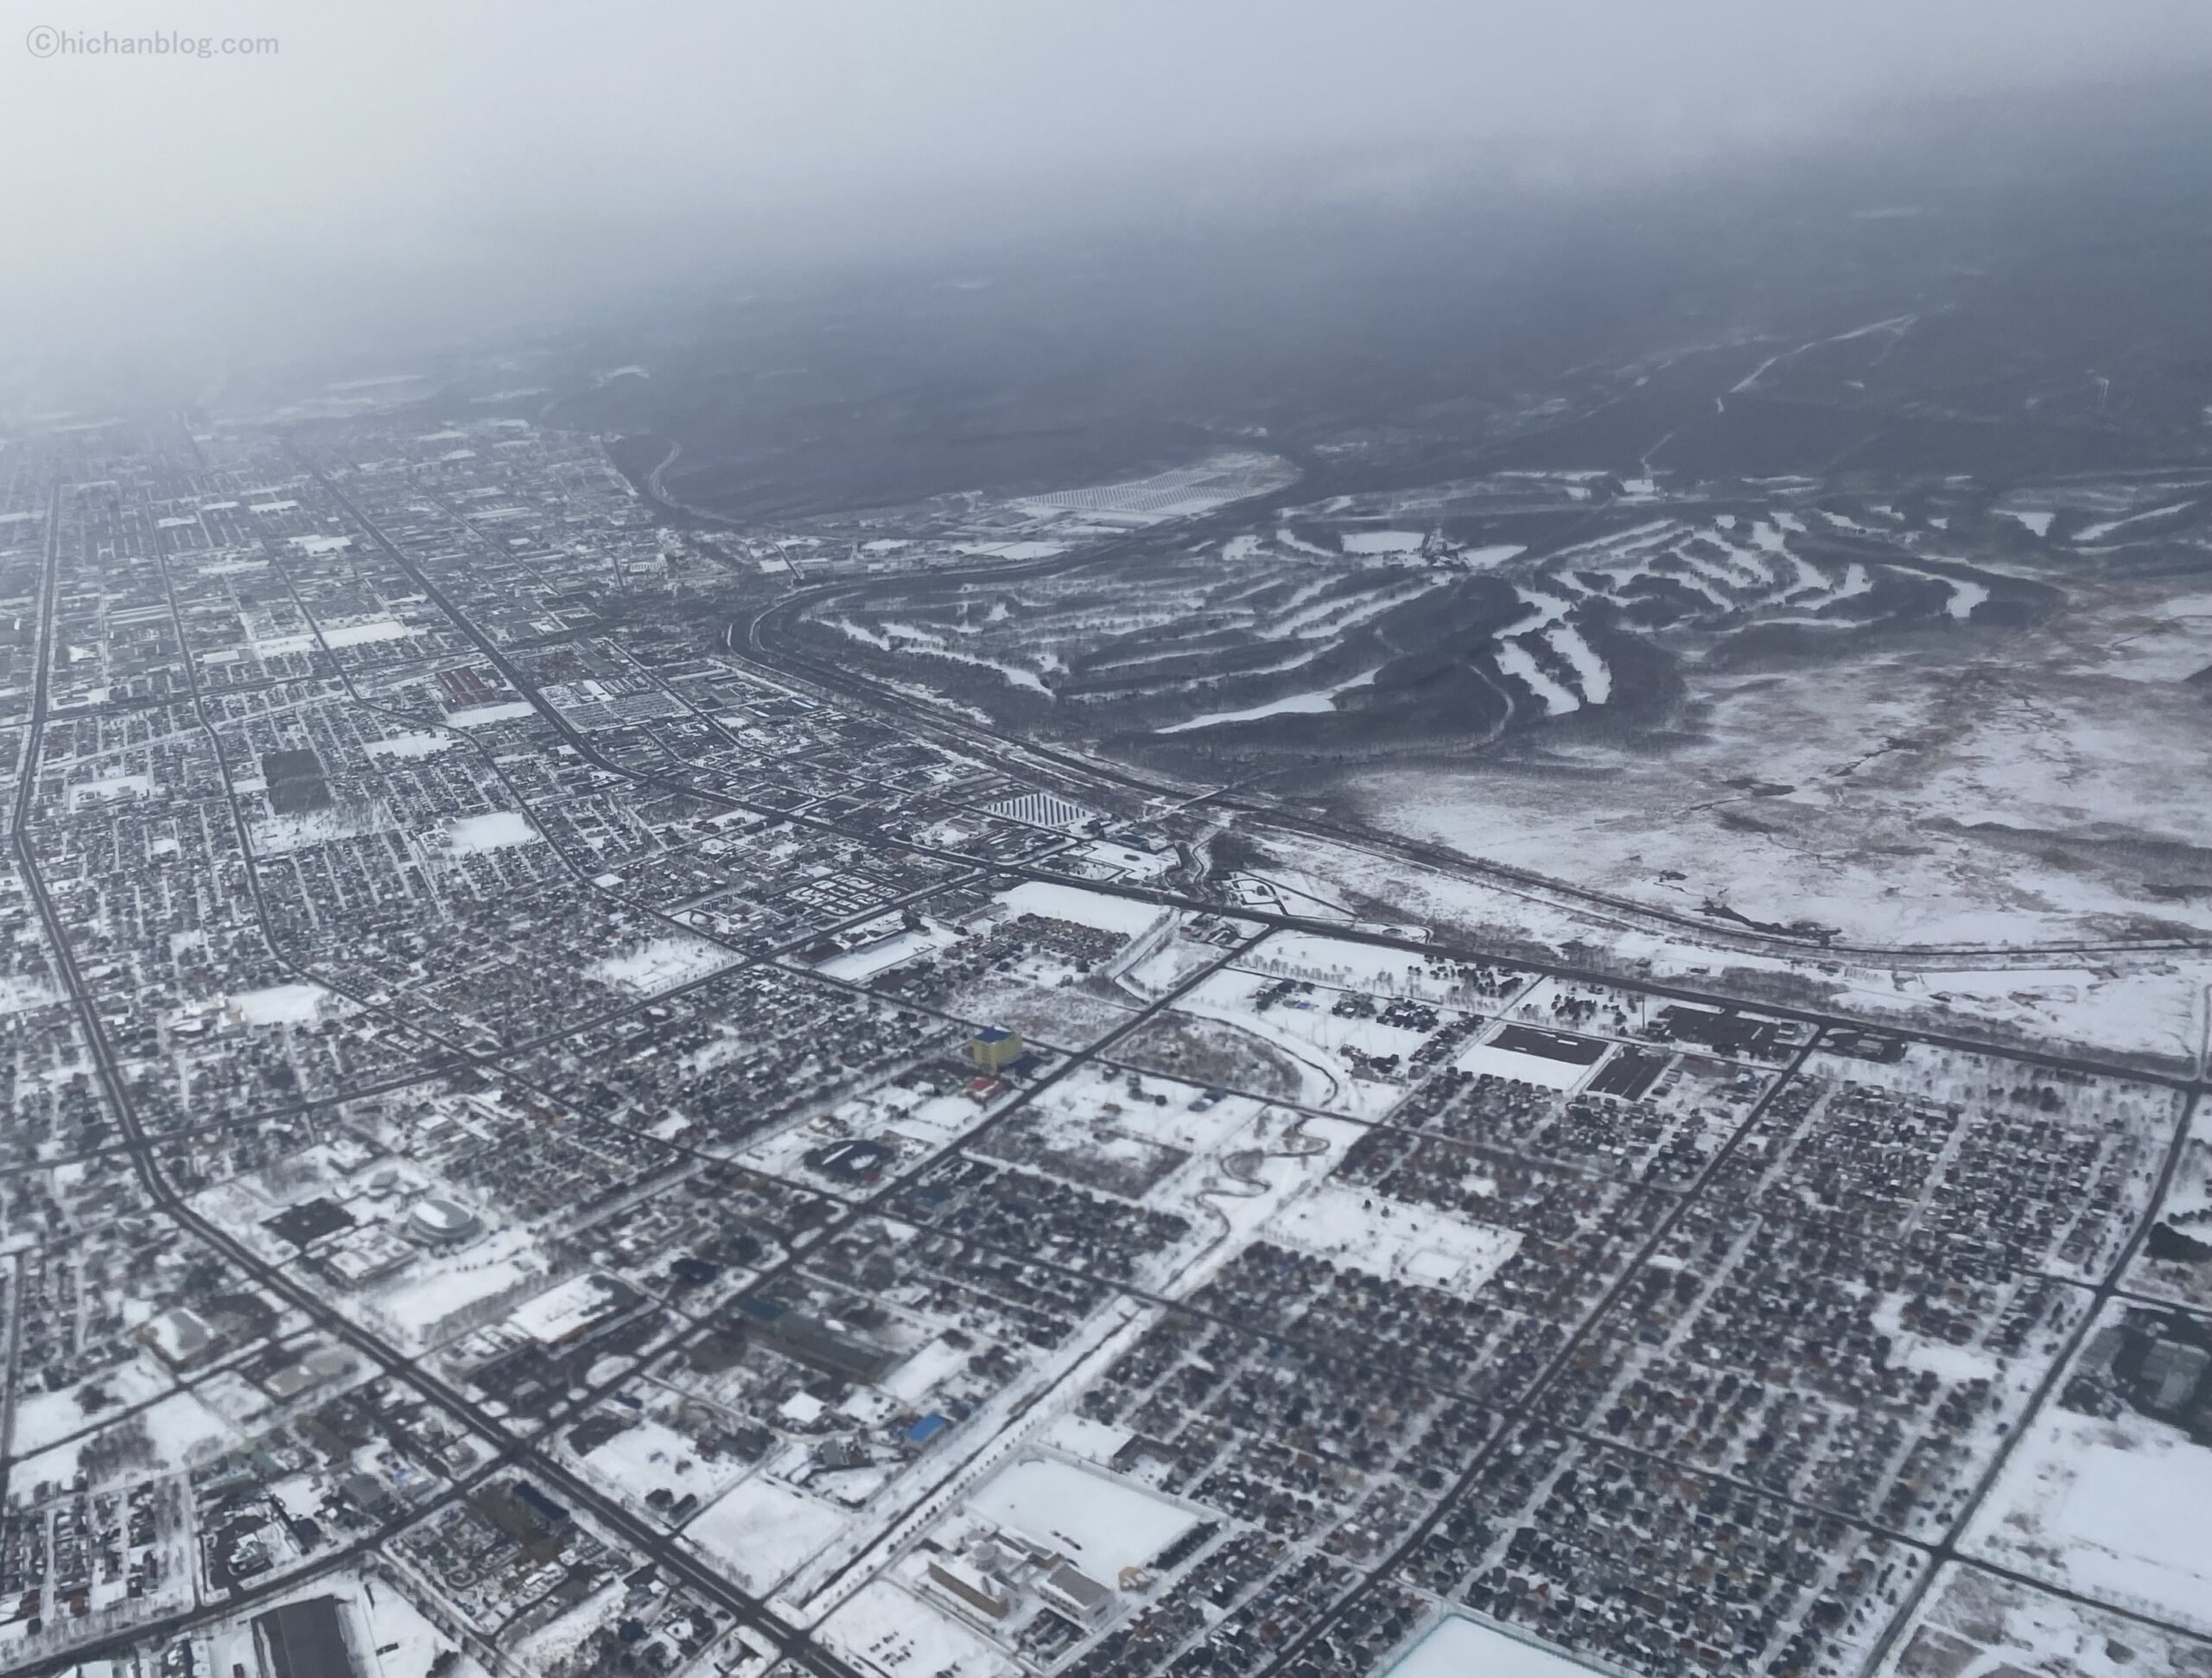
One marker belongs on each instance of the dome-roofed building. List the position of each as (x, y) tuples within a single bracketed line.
[(440, 1223)]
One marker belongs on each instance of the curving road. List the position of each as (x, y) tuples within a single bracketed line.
[(766, 638)]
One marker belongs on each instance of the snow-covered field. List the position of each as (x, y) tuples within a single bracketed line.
[(185, 1433), (401, 1640), (1488, 1060), (1322, 699), (1100, 1522), (420, 1305), (19, 991), (913, 1380), (44, 1419), (1364, 1230), (1489, 554), (366, 631), (419, 743), (1974, 1624), (468, 835), (857, 966), (906, 638), (1180, 492), (658, 965), (2152, 1005), (1457, 1647), (2114, 1509), (1918, 797), (1108, 913), (107, 788), (884, 1628), (552, 1646), (1381, 542), (564, 1309), (761, 1532), (649, 1456), (313, 827), (363, 633), (1516, 661), (2187, 1212), (1017, 550), (506, 710), (280, 1004)]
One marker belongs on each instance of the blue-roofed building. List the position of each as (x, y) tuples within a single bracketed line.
[(993, 1049)]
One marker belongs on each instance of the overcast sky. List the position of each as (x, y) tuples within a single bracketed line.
[(393, 137)]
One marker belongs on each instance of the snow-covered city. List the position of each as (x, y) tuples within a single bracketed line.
[(1406, 926)]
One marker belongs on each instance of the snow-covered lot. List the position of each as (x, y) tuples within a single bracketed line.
[(1406, 1243), (468, 835), (2175, 1262), (649, 1456), (660, 964), (1100, 1522), (762, 1532), (886, 1628), (1457, 1647), (275, 1005), (1978, 1623), (2113, 1508)]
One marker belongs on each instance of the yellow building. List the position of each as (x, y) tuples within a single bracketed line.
[(993, 1049)]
